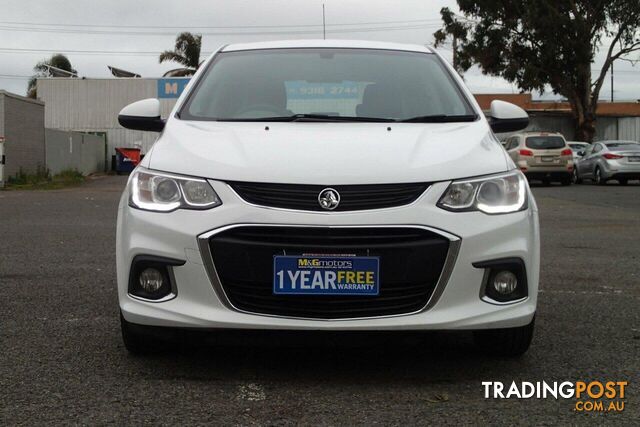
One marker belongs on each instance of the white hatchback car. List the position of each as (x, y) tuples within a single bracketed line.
[(327, 185)]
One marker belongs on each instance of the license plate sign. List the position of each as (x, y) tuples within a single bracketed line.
[(634, 158), (326, 275), (548, 159)]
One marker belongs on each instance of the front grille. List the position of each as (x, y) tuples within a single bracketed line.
[(411, 261), (352, 197)]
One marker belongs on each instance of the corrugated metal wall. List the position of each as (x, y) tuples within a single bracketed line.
[(92, 105), (551, 123), (74, 150), (629, 128), (22, 126)]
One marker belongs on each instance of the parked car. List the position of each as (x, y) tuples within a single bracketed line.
[(329, 188), (578, 149), (605, 160), (543, 156)]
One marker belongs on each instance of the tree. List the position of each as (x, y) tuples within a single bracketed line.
[(58, 64), (187, 53), (545, 43)]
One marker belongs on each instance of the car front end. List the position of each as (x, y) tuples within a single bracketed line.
[(327, 222), (219, 263)]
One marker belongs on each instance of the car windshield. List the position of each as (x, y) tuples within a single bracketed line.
[(327, 84), (545, 142), (577, 147), (623, 146)]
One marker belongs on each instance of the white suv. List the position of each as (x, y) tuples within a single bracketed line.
[(327, 185)]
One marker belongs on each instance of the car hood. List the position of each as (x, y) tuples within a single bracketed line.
[(327, 152)]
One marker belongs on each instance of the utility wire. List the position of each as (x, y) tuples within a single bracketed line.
[(83, 52), (213, 33), (14, 76), (165, 27)]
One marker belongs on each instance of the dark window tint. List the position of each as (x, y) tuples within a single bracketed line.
[(545, 142)]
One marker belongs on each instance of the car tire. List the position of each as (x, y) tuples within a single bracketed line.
[(575, 177), (136, 343), (623, 181), (507, 342), (598, 179)]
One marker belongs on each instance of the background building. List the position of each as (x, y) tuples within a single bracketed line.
[(616, 120), (92, 105), (22, 130), (27, 148)]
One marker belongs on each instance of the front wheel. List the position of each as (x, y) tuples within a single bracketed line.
[(507, 342), (575, 177), (598, 177)]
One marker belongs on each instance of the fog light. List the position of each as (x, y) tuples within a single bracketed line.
[(151, 280), (505, 282)]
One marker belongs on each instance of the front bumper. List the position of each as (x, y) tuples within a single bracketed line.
[(199, 304)]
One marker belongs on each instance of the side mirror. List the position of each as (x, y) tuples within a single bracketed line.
[(581, 153), (507, 117), (142, 115)]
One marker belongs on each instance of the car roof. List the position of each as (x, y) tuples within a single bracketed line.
[(541, 133), (578, 142), (338, 44)]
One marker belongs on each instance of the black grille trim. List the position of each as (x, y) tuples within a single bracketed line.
[(412, 262), (352, 197)]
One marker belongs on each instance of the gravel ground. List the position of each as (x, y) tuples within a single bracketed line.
[(62, 360)]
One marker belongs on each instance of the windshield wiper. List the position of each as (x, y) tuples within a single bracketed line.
[(309, 118), (441, 118)]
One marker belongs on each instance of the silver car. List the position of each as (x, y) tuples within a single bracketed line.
[(605, 160), (578, 148)]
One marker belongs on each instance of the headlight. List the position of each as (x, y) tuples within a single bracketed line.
[(161, 192), (494, 194)]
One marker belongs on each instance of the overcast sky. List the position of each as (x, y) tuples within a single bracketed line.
[(95, 34)]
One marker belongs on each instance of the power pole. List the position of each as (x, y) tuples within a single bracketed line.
[(324, 28), (611, 81)]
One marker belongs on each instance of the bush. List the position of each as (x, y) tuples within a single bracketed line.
[(42, 179), (69, 176), (42, 175)]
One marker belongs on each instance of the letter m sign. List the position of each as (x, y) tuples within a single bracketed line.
[(171, 88)]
